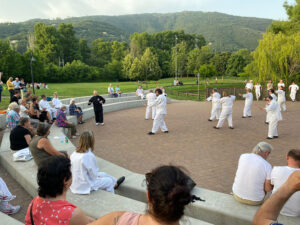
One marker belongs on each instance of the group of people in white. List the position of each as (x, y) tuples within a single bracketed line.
[(255, 177), (222, 106)]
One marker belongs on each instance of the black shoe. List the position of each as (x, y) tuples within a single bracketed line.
[(209, 120), (166, 132), (266, 123), (244, 117), (216, 127), (269, 138), (249, 116), (275, 137), (119, 182), (150, 133), (231, 128)]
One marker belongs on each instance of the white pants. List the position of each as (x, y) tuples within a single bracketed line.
[(105, 182), (159, 122), (273, 128), (4, 193), (282, 104), (257, 95), (215, 112), (148, 109), (142, 96), (247, 110), (223, 117), (293, 96), (52, 112)]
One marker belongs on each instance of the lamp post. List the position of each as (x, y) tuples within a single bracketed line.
[(32, 79), (198, 76), (176, 65), (147, 76)]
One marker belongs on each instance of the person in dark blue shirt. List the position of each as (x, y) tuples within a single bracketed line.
[(97, 102)]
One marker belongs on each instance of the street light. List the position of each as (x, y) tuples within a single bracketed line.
[(198, 75), (32, 79), (176, 66), (147, 76)]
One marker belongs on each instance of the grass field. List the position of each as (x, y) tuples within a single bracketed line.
[(68, 90)]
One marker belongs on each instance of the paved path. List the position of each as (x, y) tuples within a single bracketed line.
[(210, 155)]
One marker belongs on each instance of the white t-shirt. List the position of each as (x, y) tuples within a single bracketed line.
[(281, 85), (294, 87), (110, 90), (279, 176), (139, 91), (249, 86), (257, 87), (22, 112), (250, 177), (150, 98)]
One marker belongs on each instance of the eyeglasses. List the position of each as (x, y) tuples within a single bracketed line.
[(148, 177)]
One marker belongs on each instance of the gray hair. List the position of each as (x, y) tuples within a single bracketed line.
[(72, 100), (262, 147)]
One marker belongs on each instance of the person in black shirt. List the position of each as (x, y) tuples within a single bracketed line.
[(16, 97), (97, 101), (20, 136)]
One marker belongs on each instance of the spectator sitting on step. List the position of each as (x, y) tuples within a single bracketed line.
[(118, 91), (54, 178), (13, 117), (20, 136), (16, 97), (45, 106), (269, 212), (253, 176), (56, 102), (61, 121), (40, 147), (168, 194), (86, 175), (140, 92), (76, 111), (24, 112), (36, 113), (111, 91), (5, 197), (279, 176)]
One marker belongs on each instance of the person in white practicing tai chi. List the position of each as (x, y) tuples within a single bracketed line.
[(150, 99), (274, 97), (257, 90), (280, 84), (248, 103), (216, 105), (293, 91), (274, 115), (249, 85), (226, 113), (161, 111), (281, 98)]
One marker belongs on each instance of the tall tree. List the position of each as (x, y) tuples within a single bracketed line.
[(149, 66), (101, 52), (238, 61), (220, 61), (85, 51), (179, 59), (126, 65)]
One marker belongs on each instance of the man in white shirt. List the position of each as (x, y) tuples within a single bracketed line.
[(293, 90), (16, 82), (56, 102), (45, 106), (248, 103), (281, 84), (161, 111), (249, 85), (150, 100), (257, 91), (140, 92), (226, 113), (253, 176), (216, 105), (279, 176), (281, 98)]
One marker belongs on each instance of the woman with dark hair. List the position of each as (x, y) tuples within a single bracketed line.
[(168, 192), (40, 147), (50, 207)]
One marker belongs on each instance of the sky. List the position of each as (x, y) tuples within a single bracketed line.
[(22, 10)]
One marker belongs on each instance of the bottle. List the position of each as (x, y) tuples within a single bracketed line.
[(66, 139)]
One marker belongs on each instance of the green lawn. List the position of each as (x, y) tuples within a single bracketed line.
[(67, 90)]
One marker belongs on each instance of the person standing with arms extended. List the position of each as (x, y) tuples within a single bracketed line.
[(257, 90), (293, 91), (248, 103), (161, 112), (97, 102)]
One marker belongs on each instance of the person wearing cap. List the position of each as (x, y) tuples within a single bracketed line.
[(216, 105), (248, 103), (150, 97), (253, 176)]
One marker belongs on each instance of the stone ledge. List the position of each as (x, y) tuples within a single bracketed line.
[(7, 220)]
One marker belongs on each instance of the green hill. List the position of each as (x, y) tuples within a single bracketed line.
[(225, 32)]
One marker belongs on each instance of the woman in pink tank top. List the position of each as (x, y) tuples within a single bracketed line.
[(50, 207), (168, 192)]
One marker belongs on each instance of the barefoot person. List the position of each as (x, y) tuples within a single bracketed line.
[(226, 113), (97, 102), (216, 105), (161, 111), (248, 103), (293, 91)]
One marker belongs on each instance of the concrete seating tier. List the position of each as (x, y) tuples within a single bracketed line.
[(7, 220), (96, 204)]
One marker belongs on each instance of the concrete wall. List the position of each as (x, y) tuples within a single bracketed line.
[(7, 220)]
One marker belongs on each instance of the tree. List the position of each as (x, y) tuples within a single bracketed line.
[(238, 61), (149, 66), (193, 62), (69, 43), (113, 70), (179, 58), (85, 51), (101, 52), (135, 71), (139, 43), (207, 70), (220, 61), (118, 50), (126, 65)]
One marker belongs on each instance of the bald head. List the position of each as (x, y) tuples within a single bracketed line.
[(95, 93)]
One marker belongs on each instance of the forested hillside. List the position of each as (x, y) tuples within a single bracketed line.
[(224, 32)]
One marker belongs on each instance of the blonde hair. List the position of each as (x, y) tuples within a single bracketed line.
[(86, 142), (225, 94), (13, 106)]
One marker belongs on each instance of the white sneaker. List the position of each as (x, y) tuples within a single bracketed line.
[(73, 137), (97, 124), (6, 198), (102, 124), (10, 209)]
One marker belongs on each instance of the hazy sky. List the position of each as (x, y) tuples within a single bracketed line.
[(21, 10)]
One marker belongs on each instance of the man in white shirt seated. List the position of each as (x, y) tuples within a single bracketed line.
[(281, 84), (279, 176), (55, 101), (45, 106), (140, 92), (151, 97), (253, 176)]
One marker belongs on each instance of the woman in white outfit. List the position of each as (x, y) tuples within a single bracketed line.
[(5, 197), (293, 91), (248, 103), (85, 172), (281, 98), (257, 91), (216, 105), (227, 104), (274, 97)]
